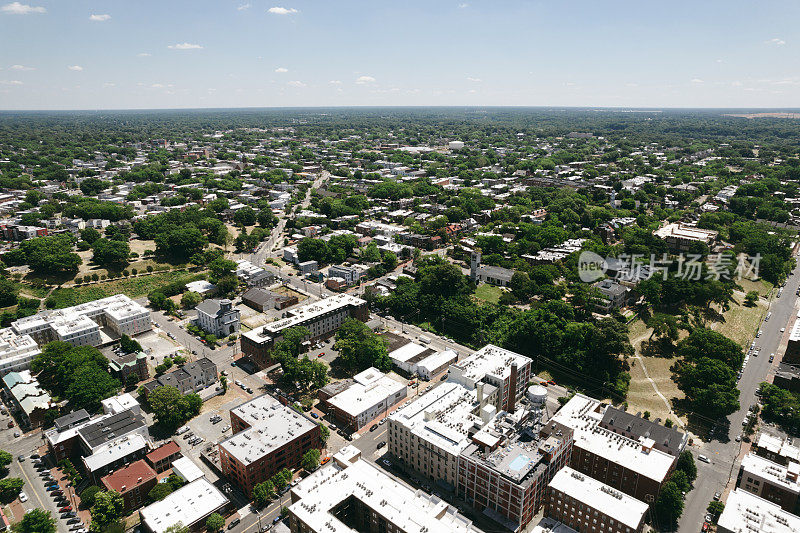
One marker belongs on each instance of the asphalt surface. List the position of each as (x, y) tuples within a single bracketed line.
[(720, 474)]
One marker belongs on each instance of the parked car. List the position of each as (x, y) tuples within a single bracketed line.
[(23, 497), (65, 509), (381, 444), (325, 460), (314, 415), (234, 523), (374, 427), (704, 459), (386, 463)]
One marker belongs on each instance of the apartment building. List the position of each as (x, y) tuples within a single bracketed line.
[(369, 397), (589, 506), (81, 325), (771, 481), (428, 434), (504, 369), (747, 513), (351, 494), (322, 319), (267, 437), (776, 449), (190, 377), (16, 351), (133, 482), (504, 472), (161, 458), (633, 464)]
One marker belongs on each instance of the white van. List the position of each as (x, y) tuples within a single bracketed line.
[(704, 459), (424, 340), (182, 430)]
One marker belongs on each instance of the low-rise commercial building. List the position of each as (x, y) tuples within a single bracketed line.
[(351, 494), (262, 299), (369, 397), (747, 513), (267, 437), (588, 506), (190, 505), (322, 319), (413, 358)]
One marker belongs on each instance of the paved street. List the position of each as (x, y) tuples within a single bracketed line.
[(724, 453)]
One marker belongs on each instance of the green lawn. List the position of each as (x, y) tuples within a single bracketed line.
[(132, 287), (488, 293)]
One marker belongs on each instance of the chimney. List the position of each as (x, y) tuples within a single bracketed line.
[(512, 391), (479, 387)]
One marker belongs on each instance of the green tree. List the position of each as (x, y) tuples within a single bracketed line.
[(8, 292), (93, 186), (687, 465), (679, 478), (177, 528), (245, 216), (159, 492), (129, 345), (263, 493), (88, 494), (171, 408), (90, 235), (669, 505), (751, 298), (110, 254), (715, 509), (360, 348), (324, 433), (215, 522), (5, 459), (190, 299), (10, 488), (310, 459), (35, 521), (107, 510)]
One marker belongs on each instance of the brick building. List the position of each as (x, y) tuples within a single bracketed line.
[(133, 482), (267, 437)]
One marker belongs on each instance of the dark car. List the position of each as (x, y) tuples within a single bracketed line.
[(314, 415), (234, 523), (57, 493), (381, 444), (374, 427)]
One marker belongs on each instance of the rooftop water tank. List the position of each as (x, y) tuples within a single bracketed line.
[(537, 394)]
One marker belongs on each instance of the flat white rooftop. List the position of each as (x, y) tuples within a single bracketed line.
[(782, 476), (583, 415), (411, 511), (272, 425), (680, 231), (443, 416), (747, 513), (599, 496), (491, 361), (407, 351), (366, 393), (187, 505), (114, 451)]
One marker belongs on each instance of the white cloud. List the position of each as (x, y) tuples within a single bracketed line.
[(776, 42), (20, 67), (99, 18), (15, 8), (185, 46), (363, 80), (158, 86), (11, 82), (109, 84), (736, 83), (143, 54), (281, 70), (697, 80), (296, 83), (282, 10), (462, 6), (335, 82), (243, 7), (476, 80), (76, 68)]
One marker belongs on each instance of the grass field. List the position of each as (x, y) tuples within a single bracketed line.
[(488, 293), (132, 287), (741, 323)]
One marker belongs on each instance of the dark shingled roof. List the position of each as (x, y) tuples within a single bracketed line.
[(635, 426)]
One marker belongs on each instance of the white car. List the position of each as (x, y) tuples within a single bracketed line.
[(783, 329), (23, 497)]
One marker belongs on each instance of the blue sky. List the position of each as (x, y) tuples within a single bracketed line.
[(74, 54)]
